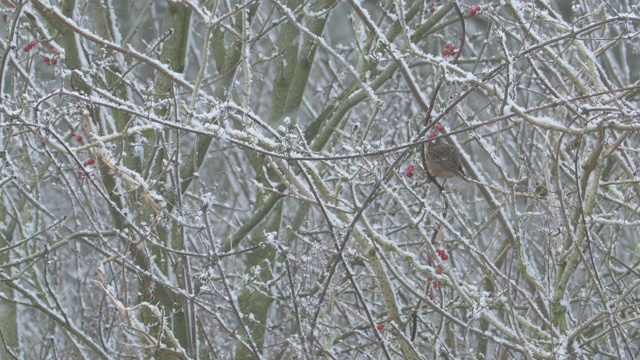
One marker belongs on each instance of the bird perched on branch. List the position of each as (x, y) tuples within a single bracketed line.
[(443, 160)]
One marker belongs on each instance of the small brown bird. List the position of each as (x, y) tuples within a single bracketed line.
[(443, 160)]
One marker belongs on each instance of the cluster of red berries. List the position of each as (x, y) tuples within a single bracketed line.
[(440, 128), (49, 61), (381, 325), (449, 49), (78, 137), (444, 256), (151, 286), (410, 169), (474, 10), (30, 46), (81, 171)]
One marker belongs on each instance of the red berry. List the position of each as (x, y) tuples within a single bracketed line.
[(410, 167), (389, 318), (438, 271), (5, 17), (409, 174), (440, 127), (473, 12), (445, 52), (430, 296), (26, 48), (438, 251), (432, 8), (79, 138), (444, 257), (54, 61), (450, 48), (30, 46), (429, 278), (432, 135), (73, 134), (435, 284), (46, 59), (90, 162), (477, 8), (380, 326), (147, 295)]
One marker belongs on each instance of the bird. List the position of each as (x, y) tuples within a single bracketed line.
[(443, 160)]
